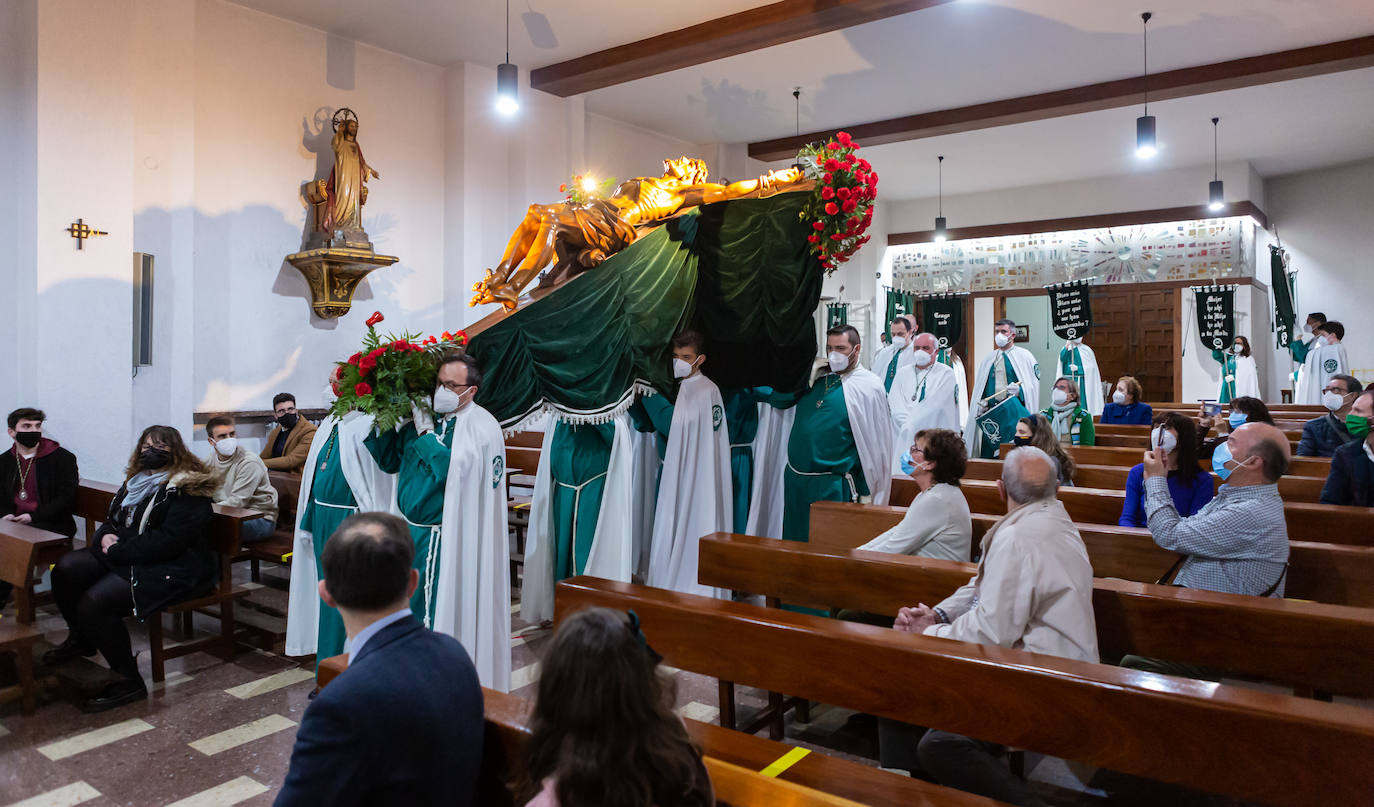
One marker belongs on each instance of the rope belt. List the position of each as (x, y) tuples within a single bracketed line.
[(848, 478), (436, 532), (577, 499)]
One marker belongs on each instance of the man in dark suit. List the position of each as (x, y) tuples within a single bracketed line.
[(1351, 479), (288, 443), (403, 724)]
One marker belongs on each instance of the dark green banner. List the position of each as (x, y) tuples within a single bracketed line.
[(898, 302), (836, 314), (1216, 316), (1284, 315), (943, 316), (740, 272)]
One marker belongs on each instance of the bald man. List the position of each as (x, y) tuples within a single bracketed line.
[(924, 395), (1238, 542)]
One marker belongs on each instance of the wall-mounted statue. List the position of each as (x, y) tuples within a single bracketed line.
[(584, 234)]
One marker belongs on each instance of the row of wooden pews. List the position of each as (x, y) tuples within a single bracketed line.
[(1127, 457), (1113, 477)]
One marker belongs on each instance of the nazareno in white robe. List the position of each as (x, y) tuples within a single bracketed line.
[(931, 404), (1027, 375)]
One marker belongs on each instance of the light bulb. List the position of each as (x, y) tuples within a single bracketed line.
[(589, 184), (1145, 137), (506, 105)]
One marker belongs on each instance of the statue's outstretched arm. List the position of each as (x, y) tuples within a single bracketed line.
[(712, 192)]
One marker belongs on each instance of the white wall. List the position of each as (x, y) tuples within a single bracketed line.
[(1325, 220)]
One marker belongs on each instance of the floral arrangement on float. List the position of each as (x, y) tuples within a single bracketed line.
[(841, 205), (583, 188), (391, 374)]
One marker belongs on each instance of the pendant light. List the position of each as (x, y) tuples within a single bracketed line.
[(940, 232), (1215, 192), (1145, 124), (507, 78)]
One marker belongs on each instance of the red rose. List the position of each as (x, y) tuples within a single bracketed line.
[(833, 146), (872, 180), (813, 238), (855, 223), (837, 237), (818, 225), (851, 158), (367, 365), (832, 164), (827, 192), (353, 360), (461, 337), (831, 208), (362, 388), (843, 193), (827, 177), (865, 165), (375, 318), (820, 160), (562, 187), (850, 205), (844, 138)]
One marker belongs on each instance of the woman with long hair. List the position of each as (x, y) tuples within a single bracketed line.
[(1239, 374), (603, 732), (1035, 430), (1189, 486), (152, 551)]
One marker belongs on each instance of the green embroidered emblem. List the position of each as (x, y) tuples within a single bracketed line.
[(498, 469), (1329, 365), (717, 415)]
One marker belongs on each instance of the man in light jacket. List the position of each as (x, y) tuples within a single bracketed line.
[(242, 479)]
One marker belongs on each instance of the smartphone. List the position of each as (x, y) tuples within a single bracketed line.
[(1211, 408)]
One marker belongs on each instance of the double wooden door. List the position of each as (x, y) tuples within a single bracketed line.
[(1135, 332)]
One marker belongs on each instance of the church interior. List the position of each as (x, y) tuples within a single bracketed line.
[(1053, 489)]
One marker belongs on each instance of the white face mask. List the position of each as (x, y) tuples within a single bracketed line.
[(446, 400), (899, 342), (1059, 397), (1236, 349), (1073, 343), (1119, 398), (226, 447), (681, 369), (1332, 400), (1002, 339), (838, 361), (1307, 329), (1321, 341), (923, 358), (1163, 439)]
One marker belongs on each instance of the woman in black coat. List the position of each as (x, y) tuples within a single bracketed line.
[(152, 551)]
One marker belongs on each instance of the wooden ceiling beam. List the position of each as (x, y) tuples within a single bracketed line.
[(754, 29), (1333, 57), (1124, 219)]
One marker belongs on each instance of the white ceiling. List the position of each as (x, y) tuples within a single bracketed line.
[(952, 55)]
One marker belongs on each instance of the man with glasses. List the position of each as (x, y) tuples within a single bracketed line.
[(288, 443), (1321, 436)]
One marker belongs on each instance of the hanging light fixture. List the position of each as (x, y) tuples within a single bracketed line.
[(507, 78), (940, 232), (1145, 124), (1215, 190)]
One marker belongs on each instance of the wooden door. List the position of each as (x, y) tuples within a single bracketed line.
[(1135, 333)]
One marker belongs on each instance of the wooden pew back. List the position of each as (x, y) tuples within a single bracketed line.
[(1326, 647), (1198, 734), (1111, 455), (1113, 477)]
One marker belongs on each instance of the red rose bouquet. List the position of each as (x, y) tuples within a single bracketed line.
[(841, 205), (391, 374)]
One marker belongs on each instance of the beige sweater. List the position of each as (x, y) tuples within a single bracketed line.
[(243, 483)]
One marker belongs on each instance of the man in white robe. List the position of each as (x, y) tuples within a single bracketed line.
[(1006, 388), (696, 493), (892, 358), (1325, 359), (925, 395), (1078, 363)]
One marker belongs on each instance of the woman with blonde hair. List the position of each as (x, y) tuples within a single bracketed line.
[(1036, 430)]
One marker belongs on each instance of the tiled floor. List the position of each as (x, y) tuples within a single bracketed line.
[(220, 733)]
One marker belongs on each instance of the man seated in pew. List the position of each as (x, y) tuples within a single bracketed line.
[(603, 730), (242, 479), (696, 493), (1035, 430), (1244, 409), (404, 723), (1321, 436), (288, 443), (1351, 479), (925, 395), (937, 523), (1032, 591), (1126, 407), (1071, 423), (152, 551), (38, 480), (1190, 487)]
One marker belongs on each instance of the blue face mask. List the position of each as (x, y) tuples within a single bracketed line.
[(908, 464), (1220, 457), (1236, 419)]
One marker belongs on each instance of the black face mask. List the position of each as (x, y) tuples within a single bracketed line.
[(154, 458), (288, 421), (1020, 441), (28, 439)]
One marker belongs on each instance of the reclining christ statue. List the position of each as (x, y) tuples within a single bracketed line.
[(583, 234)]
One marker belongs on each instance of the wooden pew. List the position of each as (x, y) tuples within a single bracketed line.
[(1311, 410), (507, 717), (1132, 430), (522, 452), (1113, 477), (1328, 648), (93, 505), (25, 552), (1329, 573), (278, 547), (1204, 735), (1110, 455), (1142, 441)]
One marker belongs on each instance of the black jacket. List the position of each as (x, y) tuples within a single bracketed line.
[(57, 479), (401, 726), (1351, 479), (165, 541)]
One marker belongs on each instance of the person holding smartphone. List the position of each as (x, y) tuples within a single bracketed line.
[(1243, 410)]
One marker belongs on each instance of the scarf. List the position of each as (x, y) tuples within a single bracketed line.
[(1063, 419), (140, 486)]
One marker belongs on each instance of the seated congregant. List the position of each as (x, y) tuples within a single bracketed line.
[(38, 480), (403, 724), (603, 730), (1351, 478), (242, 479), (152, 551), (288, 443), (937, 524), (1126, 408), (1071, 423), (1032, 591), (1035, 431), (1190, 487), (1321, 436), (1244, 409)]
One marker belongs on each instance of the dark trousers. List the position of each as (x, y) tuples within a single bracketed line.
[(94, 597), (973, 766)]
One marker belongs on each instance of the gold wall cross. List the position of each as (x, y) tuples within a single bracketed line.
[(80, 230)]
